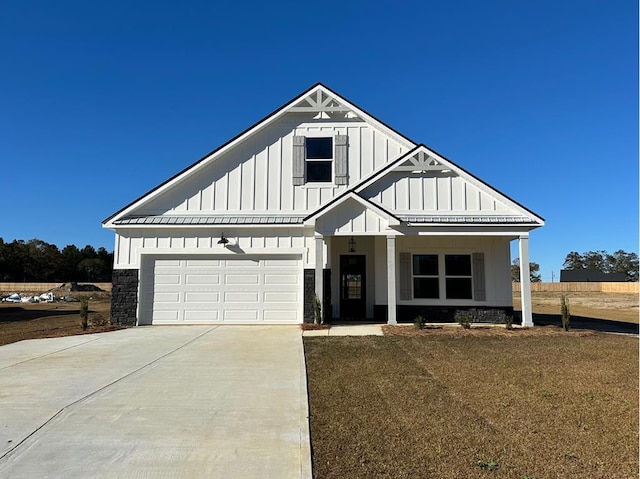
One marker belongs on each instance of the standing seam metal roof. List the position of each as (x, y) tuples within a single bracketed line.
[(297, 220), (210, 220)]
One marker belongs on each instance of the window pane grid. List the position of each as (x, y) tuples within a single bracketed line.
[(456, 276), (426, 284), (319, 160), (319, 148)]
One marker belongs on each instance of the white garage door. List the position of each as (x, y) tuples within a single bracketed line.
[(221, 290)]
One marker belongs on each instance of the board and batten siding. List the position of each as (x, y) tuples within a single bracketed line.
[(256, 175), (497, 260), (431, 193), (351, 218), (130, 244)]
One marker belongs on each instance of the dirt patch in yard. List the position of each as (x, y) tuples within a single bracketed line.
[(611, 306), (19, 321)]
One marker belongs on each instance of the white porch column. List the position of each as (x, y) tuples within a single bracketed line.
[(319, 243), (525, 282), (391, 280)]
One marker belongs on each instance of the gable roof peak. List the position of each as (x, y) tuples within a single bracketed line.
[(321, 99), (330, 103)]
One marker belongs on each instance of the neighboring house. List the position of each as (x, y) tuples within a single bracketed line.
[(318, 198), (590, 275)]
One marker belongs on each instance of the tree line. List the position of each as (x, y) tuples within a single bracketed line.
[(617, 262), (38, 261), (534, 271)]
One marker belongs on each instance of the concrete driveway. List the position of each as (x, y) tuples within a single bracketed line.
[(156, 402)]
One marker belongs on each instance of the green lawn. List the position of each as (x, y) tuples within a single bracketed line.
[(463, 406)]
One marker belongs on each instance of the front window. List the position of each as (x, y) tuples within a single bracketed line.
[(450, 273), (457, 270), (425, 276), (319, 160)]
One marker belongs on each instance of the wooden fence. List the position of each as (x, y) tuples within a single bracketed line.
[(41, 287), (629, 287)]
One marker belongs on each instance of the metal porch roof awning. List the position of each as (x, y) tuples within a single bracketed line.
[(210, 220), (499, 220)]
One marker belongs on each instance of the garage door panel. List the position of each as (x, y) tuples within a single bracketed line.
[(202, 263), (168, 263), (241, 315), (164, 307), (242, 263), (218, 290), (199, 279), (280, 315), (280, 279), (280, 263), (167, 279), (165, 315), (172, 298), (241, 296), (205, 297), (201, 315), (205, 306), (240, 279), (280, 297)]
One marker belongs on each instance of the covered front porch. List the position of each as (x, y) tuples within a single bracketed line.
[(395, 275)]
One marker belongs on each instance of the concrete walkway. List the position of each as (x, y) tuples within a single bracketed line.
[(156, 402)]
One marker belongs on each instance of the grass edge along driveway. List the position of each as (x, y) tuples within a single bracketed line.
[(551, 406)]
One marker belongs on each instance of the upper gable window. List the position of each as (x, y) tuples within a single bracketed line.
[(319, 160)]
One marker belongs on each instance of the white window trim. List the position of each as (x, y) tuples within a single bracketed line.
[(321, 134)]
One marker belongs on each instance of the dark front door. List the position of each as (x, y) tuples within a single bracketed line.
[(353, 302)]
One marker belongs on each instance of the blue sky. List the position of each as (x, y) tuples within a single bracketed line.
[(102, 101)]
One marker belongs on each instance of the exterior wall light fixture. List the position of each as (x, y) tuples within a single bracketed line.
[(352, 245), (223, 241)]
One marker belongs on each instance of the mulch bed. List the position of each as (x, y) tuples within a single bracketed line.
[(313, 326), (480, 331)]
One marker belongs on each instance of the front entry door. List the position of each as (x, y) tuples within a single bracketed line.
[(353, 302)]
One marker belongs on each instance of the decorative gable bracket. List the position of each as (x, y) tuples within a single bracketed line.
[(321, 102), (421, 162)]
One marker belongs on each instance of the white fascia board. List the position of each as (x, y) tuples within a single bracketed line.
[(392, 220), (461, 231)]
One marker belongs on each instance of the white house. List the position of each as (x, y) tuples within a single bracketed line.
[(318, 198)]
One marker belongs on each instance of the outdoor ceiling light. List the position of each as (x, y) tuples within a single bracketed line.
[(223, 241), (352, 245)]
